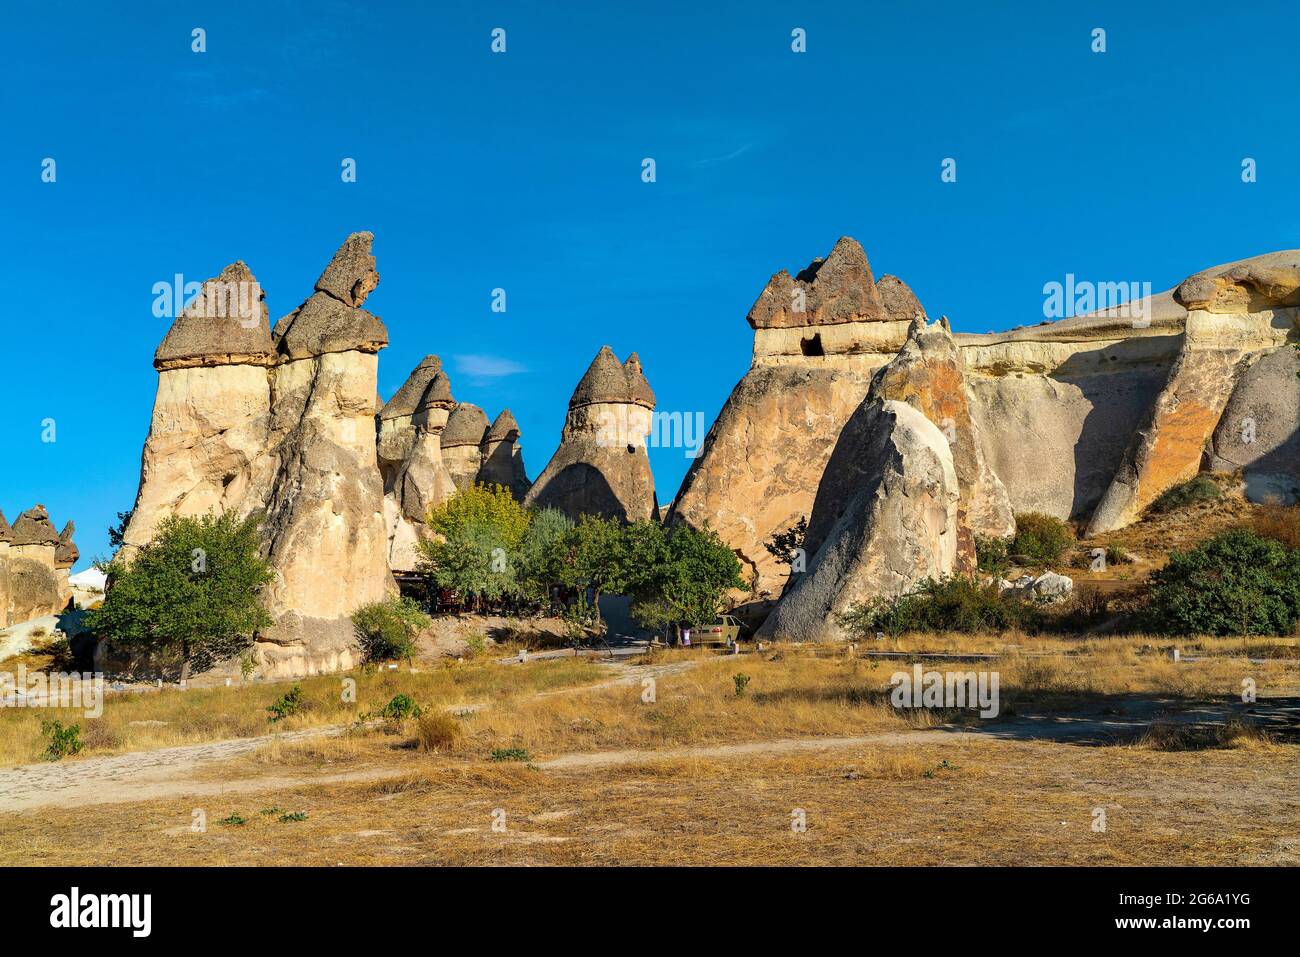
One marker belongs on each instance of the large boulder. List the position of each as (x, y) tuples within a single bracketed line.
[(928, 373), (881, 534)]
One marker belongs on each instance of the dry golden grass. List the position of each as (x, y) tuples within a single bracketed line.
[(167, 717), (948, 802)]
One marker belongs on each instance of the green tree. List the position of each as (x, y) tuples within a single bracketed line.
[(483, 507), (471, 559), (194, 591), (698, 572), (1236, 583), (387, 629), (545, 554)]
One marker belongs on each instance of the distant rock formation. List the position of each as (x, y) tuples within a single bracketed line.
[(34, 564), (601, 466), (462, 443), (1234, 315), (818, 339), (895, 525), (422, 479), (503, 462)]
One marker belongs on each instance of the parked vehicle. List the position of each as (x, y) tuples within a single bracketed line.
[(725, 630)]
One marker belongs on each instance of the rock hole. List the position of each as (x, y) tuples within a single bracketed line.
[(813, 346)]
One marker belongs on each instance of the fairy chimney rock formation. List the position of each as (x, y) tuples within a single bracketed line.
[(211, 413), (503, 462), (818, 339), (601, 466), (890, 529), (33, 580), (422, 480), (397, 427), (462, 441), (324, 528)]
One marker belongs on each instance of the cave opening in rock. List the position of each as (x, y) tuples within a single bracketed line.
[(813, 346)]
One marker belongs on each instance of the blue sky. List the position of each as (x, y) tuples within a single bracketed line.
[(522, 171)]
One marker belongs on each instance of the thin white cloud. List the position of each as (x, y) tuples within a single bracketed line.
[(487, 367)]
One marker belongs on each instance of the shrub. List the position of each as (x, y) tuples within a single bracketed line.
[(1280, 523), (235, 820), (991, 555), (437, 731), (1199, 489), (64, 740), (1236, 583), (387, 629), (1040, 539), (951, 604), (400, 708), (510, 754), (1117, 555), (289, 703), (741, 682), (293, 816), (476, 643)]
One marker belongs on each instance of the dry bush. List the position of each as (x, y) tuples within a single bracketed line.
[(437, 731), (1280, 522), (1232, 734)]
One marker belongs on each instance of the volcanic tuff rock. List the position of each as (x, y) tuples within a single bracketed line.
[(34, 563), (397, 418), (1235, 314), (601, 466), (211, 414), (928, 373), (1259, 431), (324, 528), (762, 460), (280, 422), (1056, 407), (503, 462), (462, 442), (885, 533)]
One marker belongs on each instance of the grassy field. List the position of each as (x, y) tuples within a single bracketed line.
[(661, 761)]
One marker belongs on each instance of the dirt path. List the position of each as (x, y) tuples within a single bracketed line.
[(167, 772), (171, 772)]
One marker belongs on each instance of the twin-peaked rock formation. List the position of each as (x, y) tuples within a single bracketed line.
[(34, 567), (1088, 418), (285, 423), (601, 466), (280, 423)]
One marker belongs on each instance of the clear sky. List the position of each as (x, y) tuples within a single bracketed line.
[(522, 171)]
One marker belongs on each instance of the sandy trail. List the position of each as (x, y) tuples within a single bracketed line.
[(174, 772)]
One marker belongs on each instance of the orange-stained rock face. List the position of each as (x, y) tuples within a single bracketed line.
[(928, 374)]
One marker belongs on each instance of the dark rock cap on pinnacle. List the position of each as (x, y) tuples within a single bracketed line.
[(406, 400), (466, 425), (331, 320), (839, 288), (504, 429), (33, 527), (226, 324)]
